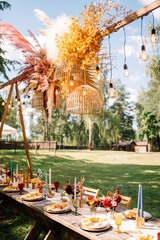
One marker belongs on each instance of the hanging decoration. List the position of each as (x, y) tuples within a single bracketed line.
[(72, 45), (153, 32), (143, 55)]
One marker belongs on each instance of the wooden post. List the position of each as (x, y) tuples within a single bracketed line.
[(134, 16), (6, 109), (24, 133)]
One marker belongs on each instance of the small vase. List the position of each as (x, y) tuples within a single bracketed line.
[(111, 214), (93, 209), (33, 185)]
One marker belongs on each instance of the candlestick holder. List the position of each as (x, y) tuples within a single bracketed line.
[(81, 203)]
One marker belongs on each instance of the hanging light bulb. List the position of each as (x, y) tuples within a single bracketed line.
[(23, 106), (3, 102), (28, 100), (111, 91), (153, 32), (9, 106), (19, 102), (126, 73), (143, 55), (16, 98), (98, 73), (153, 36), (12, 107)]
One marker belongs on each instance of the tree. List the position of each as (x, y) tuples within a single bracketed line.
[(5, 64), (123, 109), (150, 127)]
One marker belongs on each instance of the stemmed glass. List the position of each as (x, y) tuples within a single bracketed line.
[(45, 193), (56, 184), (76, 203), (118, 221), (20, 186)]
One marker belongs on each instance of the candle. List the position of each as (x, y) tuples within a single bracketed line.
[(81, 203), (138, 203), (24, 175), (6, 173), (75, 188), (17, 168), (28, 178), (50, 177), (12, 168), (46, 180), (141, 203)]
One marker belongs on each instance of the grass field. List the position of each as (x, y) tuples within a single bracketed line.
[(101, 169)]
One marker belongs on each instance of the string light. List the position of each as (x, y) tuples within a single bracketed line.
[(9, 106), (28, 100), (3, 102), (111, 91), (19, 102), (98, 72), (71, 80), (143, 55), (23, 106), (12, 107), (153, 32), (126, 72)]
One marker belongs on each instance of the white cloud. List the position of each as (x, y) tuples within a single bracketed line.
[(133, 94), (155, 12), (129, 49), (131, 30)]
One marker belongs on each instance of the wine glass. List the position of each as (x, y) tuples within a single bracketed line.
[(45, 193), (20, 186), (56, 184), (76, 203), (118, 221)]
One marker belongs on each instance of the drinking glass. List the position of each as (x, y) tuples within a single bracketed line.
[(76, 203), (118, 222), (56, 184), (45, 193), (8, 180), (20, 186)]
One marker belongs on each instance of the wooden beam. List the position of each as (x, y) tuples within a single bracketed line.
[(9, 82), (6, 110), (134, 16), (24, 133)]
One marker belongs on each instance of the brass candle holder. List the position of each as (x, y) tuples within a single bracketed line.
[(139, 222)]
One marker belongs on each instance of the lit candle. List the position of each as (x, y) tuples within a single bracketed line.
[(17, 168), (75, 188), (46, 180), (138, 203), (50, 177), (141, 203)]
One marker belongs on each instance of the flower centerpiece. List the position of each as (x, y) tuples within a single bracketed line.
[(110, 203), (93, 203)]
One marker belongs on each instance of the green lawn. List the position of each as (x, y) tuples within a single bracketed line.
[(102, 169)]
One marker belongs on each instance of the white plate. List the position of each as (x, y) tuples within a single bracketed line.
[(58, 210), (32, 199), (146, 214), (97, 225), (12, 190)]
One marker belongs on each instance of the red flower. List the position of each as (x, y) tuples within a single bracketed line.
[(107, 202), (118, 199), (69, 189), (90, 197), (68, 181), (117, 190)]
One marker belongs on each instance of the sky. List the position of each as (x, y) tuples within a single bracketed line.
[(22, 17)]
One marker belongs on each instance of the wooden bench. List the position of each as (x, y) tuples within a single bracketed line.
[(125, 201)]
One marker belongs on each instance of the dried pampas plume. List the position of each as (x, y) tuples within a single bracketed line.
[(50, 101), (43, 17)]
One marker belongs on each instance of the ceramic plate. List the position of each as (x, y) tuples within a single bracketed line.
[(36, 198), (146, 214), (95, 226), (57, 210)]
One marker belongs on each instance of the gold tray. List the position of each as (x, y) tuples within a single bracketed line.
[(86, 228), (62, 211)]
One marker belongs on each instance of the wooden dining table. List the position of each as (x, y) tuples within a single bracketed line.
[(66, 226)]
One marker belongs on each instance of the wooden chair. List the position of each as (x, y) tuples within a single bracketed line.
[(91, 191), (125, 201)]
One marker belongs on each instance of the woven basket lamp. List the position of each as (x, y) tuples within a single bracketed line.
[(84, 100), (37, 100)]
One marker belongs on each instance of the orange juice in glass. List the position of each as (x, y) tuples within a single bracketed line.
[(118, 221)]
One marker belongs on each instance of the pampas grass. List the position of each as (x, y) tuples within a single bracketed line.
[(54, 27)]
